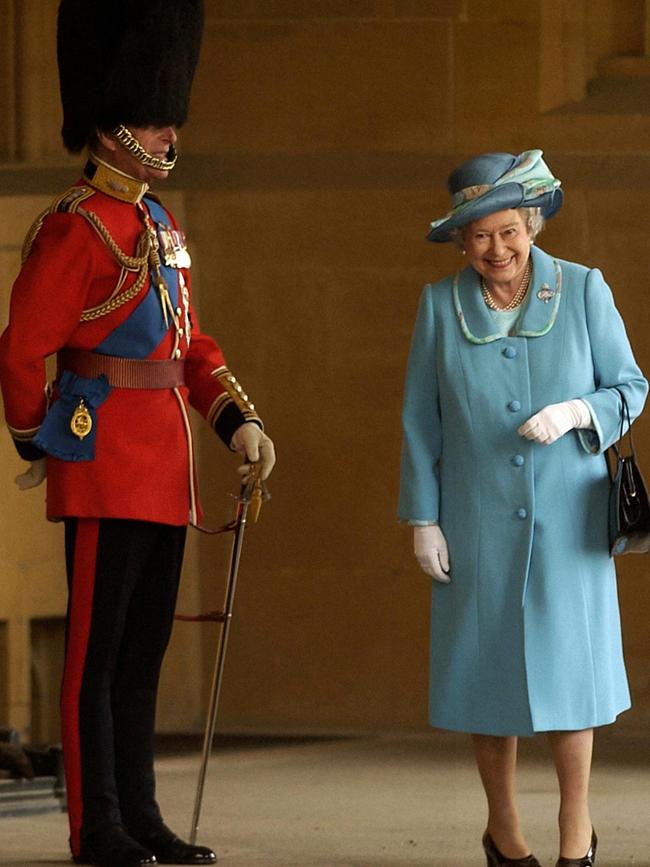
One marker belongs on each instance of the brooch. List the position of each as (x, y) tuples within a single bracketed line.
[(546, 293)]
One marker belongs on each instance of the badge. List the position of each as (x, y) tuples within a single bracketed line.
[(546, 293), (81, 422), (173, 247)]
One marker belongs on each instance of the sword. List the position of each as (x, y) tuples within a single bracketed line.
[(248, 504)]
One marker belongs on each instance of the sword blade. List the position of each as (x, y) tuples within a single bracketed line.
[(217, 677)]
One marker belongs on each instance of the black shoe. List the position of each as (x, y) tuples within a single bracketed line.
[(113, 848), (587, 861), (496, 859), (170, 849)]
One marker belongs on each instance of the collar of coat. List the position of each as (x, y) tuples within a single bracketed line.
[(539, 310)]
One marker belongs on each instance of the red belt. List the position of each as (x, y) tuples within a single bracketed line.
[(124, 372)]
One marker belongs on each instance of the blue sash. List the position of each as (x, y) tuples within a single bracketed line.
[(145, 329)]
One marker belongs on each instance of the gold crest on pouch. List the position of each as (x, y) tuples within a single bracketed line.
[(81, 422)]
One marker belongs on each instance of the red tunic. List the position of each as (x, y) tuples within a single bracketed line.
[(144, 465)]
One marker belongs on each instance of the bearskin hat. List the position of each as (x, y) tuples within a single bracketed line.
[(125, 62)]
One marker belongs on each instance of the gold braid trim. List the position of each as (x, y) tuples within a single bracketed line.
[(217, 408), (131, 263), (131, 144), (69, 202), (138, 263), (115, 301), (235, 393)]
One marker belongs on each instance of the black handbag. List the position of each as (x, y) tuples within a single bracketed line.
[(629, 508)]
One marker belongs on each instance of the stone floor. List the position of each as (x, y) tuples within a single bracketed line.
[(368, 801)]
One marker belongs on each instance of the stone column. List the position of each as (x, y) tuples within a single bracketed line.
[(8, 80), (36, 81)]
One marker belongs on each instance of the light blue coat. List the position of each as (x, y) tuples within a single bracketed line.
[(526, 637)]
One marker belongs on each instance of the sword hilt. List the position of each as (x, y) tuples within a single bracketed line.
[(253, 492)]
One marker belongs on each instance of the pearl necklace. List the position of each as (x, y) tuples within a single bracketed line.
[(518, 297)]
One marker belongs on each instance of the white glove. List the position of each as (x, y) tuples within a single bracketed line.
[(430, 548), (252, 443), (32, 477), (556, 419)]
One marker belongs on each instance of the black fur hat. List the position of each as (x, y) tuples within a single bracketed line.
[(125, 62)]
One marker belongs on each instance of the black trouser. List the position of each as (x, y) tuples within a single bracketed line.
[(123, 581)]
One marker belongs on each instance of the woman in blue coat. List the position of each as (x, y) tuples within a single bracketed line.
[(510, 402)]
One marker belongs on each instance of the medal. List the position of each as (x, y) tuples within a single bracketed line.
[(81, 422), (173, 247)]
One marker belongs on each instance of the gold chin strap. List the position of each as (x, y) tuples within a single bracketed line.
[(130, 142)]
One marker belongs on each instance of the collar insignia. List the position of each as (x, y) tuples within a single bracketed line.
[(107, 179)]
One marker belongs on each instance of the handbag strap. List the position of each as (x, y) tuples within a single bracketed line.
[(625, 415)]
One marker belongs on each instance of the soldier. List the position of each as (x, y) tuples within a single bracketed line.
[(105, 284)]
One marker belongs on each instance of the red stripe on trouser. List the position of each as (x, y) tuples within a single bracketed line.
[(79, 619)]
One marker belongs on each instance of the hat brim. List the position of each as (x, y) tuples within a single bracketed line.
[(501, 198)]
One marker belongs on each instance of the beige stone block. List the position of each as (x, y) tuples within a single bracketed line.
[(618, 232), (8, 131), (322, 86), (180, 705), (576, 131), (614, 27), (4, 671), (309, 9), (16, 216), (478, 13), (562, 54), (9, 265), (317, 229), (495, 81), (37, 85)]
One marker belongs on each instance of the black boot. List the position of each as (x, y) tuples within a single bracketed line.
[(112, 847), (170, 849)]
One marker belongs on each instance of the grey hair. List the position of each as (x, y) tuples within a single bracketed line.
[(532, 217)]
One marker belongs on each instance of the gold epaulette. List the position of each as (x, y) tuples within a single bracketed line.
[(68, 202)]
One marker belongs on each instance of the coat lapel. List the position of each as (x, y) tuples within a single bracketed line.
[(542, 304), (540, 309)]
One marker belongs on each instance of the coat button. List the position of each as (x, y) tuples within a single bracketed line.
[(517, 460), (510, 352), (521, 514), (514, 406)]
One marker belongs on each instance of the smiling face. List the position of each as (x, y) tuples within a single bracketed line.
[(155, 140), (498, 247)]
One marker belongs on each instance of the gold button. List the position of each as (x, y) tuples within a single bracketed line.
[(180, 332), (178, 311), (177, 353)]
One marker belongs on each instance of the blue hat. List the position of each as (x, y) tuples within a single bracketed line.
[(497, 182)]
